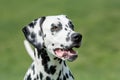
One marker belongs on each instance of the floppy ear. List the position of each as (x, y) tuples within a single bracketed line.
[(34, 33)]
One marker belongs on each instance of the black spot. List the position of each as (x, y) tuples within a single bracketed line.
[(66, 26), (66, 29), (52, 33), (32, 24), (60, 24), (48, 78), (46, 68), (52, 69), (55, 58), (32, 41), (26, 31), (44, 36), (65, 64), (66, 16), (35, 19), (33, 35), (61, 45), (45, 57), (33, 69), (58, 18), (44, 45), (29, 77), (58, 78), (71, 25), (37, 77), (40, 33), (45, 60), (42, 20), (67, 38), (41, 75), (60, 61), (59, 73), (66, 75), (39, 54), (70, 74), (53, 24), (39, 46), (52, 44)]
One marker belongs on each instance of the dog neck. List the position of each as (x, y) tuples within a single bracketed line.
[(52, 65)]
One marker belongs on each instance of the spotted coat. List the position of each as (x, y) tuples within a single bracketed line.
[(52, 38)]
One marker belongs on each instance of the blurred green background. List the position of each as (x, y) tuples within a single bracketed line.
[(97, 20)]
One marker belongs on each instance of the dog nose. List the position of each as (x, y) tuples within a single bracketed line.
[(76, 37)]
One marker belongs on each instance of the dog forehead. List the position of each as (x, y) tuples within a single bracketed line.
[(59, 17), (55, 20)]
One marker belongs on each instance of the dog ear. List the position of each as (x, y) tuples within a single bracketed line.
[(34, 33)]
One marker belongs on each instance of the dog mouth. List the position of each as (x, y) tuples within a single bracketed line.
[(66, 54)]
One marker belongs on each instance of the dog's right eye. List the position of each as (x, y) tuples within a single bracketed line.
[(55, 28)]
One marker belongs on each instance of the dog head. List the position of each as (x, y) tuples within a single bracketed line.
[(56, 34)]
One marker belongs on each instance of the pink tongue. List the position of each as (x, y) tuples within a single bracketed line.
[(64, 53)]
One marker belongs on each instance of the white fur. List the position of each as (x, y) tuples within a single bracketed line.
[(29, 49)]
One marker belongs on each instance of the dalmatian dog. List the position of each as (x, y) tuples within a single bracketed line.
[(50, 41)]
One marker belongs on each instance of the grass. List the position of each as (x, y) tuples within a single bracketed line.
[(97, 20)]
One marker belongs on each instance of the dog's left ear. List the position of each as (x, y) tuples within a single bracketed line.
[(34, 33)]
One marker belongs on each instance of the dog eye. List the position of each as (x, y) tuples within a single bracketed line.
[(55, 28)]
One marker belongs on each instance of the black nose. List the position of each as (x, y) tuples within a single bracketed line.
[(76, 37)]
